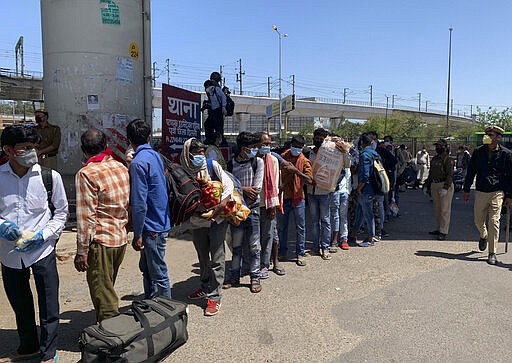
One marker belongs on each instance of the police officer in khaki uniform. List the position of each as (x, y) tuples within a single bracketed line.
[(440, 186), (491, 163), (50, 140)]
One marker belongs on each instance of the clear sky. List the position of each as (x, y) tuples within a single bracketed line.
[(398, 47)]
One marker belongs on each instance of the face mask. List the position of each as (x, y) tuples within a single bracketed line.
[(487, 140), (253, 153), (198, 160), (295, 151), (27, 158), (439, 150), (317, 143), (264, 150), (38, 119), (387, 143)]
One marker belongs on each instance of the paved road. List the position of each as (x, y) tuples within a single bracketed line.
[(408, 299)]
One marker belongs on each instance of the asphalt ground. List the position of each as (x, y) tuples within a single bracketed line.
[(409, 298)]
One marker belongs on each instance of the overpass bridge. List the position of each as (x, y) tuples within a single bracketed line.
[(249, 110)]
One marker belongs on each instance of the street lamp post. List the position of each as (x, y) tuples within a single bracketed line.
[(448, 96), (281, 36)]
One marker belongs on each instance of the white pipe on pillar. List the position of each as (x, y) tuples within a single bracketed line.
[(148, 89)]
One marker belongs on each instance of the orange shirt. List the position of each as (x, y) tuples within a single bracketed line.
[(102, 199)]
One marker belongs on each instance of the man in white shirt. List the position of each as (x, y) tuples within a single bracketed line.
[(28, 234), (423, 163)]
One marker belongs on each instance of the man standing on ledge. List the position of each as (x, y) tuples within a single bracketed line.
[(50, 140), (492, 165)]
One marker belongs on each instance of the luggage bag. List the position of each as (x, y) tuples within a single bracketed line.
[(150, 331)]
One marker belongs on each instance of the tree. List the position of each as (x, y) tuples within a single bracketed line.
[(492, 116), (398, 124)]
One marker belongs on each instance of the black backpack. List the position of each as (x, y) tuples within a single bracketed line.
[(46, 174), (378, 177), (183, 191), (230, 106)]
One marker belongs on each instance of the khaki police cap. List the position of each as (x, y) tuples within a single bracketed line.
[(495, 128), (42, 110), (441, 142)]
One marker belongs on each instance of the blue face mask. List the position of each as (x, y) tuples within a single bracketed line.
[(264, 150), (253, 153), (198, 160), (295, 151)]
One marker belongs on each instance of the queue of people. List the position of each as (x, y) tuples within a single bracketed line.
[(112, 199)]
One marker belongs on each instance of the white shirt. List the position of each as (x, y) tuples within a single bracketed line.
[(24, 202)]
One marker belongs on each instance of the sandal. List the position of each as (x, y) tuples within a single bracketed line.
[(230, 283), (301, 261), (16, 357), (255, 286), (326, 256), (279, 271), (333, 249), (264, 273)]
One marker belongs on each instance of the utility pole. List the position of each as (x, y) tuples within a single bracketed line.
[(451, 108), (448, 96), (239, 77), (386, 120), (220, 71), (393, 101), (154, 74), (18, 50), (419, 101), (371, 95), (426, 106), (293, 84), (168, 72), (345, 94), (268, 86)]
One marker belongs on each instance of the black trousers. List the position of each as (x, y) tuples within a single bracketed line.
[(214, 123), (17, 288)]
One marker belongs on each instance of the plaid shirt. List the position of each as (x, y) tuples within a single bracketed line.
[(102, 198)]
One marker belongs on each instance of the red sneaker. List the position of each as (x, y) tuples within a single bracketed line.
[(212, 307), (198, 294), (344, 245)]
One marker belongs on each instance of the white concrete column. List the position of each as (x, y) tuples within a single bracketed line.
[(242, 119)]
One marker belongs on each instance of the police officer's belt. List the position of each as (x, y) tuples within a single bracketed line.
[(439, 180)]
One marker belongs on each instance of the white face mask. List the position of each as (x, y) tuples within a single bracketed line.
[(27, 158)]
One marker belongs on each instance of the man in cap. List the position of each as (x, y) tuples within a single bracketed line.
[(50, 140), (440, 186), (491, 163)]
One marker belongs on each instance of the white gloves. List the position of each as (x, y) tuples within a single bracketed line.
[(443, 192)]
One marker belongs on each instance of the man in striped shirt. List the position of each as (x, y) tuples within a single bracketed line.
[(102, 199)]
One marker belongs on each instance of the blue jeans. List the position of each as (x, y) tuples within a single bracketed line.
[(321, 221), (365, 202), (266, 237), (299, 212), (247, 237), (339, 214), (382, 215), (153, 267)]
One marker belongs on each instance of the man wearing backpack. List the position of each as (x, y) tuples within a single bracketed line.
[(247, 235), (208, 241), (150, 210), (365, 192), (218, 103), (439, 185), (25, 211)]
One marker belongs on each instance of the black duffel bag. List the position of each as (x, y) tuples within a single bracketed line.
[(148, 332)]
